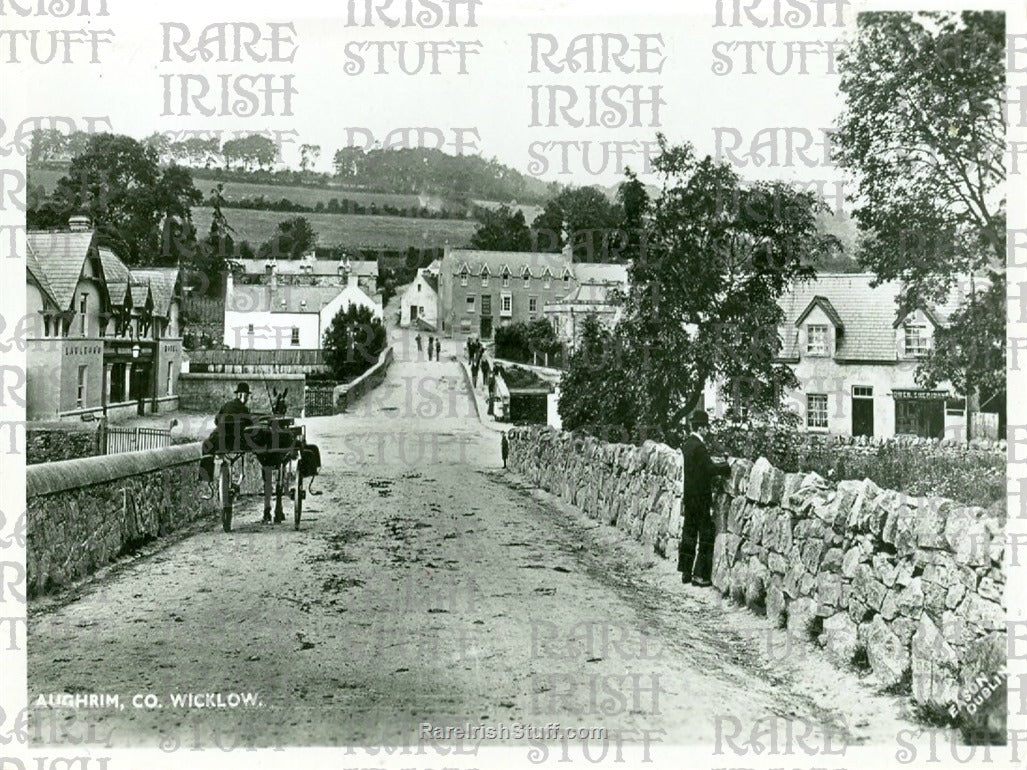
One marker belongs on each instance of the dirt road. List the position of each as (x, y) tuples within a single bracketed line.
[(427, 585)]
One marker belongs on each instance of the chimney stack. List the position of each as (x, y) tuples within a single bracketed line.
[(79, 223)]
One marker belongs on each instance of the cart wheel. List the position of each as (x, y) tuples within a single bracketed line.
[(298, 499), (225, 494)]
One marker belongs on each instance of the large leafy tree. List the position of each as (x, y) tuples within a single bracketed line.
[(138, 208), (292, 239), (501, 229), (704, 293), (584, 217), (353, 341), (923, 134)]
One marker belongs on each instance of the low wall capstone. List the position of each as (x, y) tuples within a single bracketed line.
[(84, 513), (347, 395), (910, 588)]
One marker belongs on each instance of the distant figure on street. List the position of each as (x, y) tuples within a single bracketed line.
[(431, 344), (484, 370), (505, 449), (469, 345), (438, 350), (474, 373), (695, 554), (418, 340)]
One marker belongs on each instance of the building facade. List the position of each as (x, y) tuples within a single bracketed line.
[(101, 338), (855, 358), (289, 311), (420, 301), (482, 290)]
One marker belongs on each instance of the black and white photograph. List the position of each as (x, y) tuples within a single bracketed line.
[(485, 383)]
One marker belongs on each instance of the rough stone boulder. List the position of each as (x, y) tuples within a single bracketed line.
[(935, 666), (800, 617), (887, 653), (766, 483), (840, 639)]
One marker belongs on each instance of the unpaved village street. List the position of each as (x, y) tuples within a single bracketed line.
[(427, 584)]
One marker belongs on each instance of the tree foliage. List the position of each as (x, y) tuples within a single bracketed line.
[(703, 303), (585, 218), (353, 341), (500, 229), (291, 240), (140, 210), (923, 132)]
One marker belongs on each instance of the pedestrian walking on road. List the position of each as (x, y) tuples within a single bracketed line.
[(695, 553), (438, 350), (417, 339), (505, 449), (484, 370), (431, 344), (470, 349), (474, 374)]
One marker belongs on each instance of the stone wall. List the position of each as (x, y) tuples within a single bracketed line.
[(910, 589), (52, 442), (84, 513), (207, 392), (348, 394)]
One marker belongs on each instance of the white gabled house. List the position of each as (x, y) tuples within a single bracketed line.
[(855, 358), (420, 301)]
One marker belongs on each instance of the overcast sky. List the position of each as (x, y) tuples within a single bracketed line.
[(494, 97)]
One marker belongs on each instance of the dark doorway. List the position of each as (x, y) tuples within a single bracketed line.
[(920, 417), (486, 327), (862, 410)]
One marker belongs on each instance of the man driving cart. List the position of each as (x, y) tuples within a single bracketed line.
[(228, 432)]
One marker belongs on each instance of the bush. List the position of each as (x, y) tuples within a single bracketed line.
[(970, 476)]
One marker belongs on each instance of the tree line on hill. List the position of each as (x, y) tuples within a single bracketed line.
[(337, 206), (255, 158)]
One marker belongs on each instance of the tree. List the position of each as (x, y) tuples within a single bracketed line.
[(923, 133), (501, 229), (586, 218), (352, 342), (292, 239), (137, 207), (703, 303), (216, 253), (309, 153), (597, 392)]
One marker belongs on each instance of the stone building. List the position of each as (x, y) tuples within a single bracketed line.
[(101, 338), (482, 290)]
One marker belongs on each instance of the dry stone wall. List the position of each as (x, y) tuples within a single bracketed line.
[(911, 588)]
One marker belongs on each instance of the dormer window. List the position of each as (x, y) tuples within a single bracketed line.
[(484, 277), (526, 275), (818, 337), (916, 340), (463, 276), (506, 279)]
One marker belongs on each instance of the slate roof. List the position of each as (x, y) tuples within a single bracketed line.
[(254, 298), (38, 274), (586, 294), (139, 291), (587, 272), (432, 281), (824, 304), (362, 267), (60, 256), (116, 275), (162, 282), (867, 314), (476, 261)]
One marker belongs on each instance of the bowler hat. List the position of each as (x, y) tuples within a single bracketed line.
[(699, 419), (242, 387)]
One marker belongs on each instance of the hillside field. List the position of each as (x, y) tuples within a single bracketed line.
[(352, 230)]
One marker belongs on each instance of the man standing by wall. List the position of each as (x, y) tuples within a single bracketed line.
[(695, 554)]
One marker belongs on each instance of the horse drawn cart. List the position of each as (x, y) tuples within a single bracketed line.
[(279, 446)]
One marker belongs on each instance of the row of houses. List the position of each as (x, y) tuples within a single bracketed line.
[(854, 355), (100, 338), (472, 292)]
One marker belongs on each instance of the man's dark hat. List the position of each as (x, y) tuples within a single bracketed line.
[(699, 419), (242, 387)]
